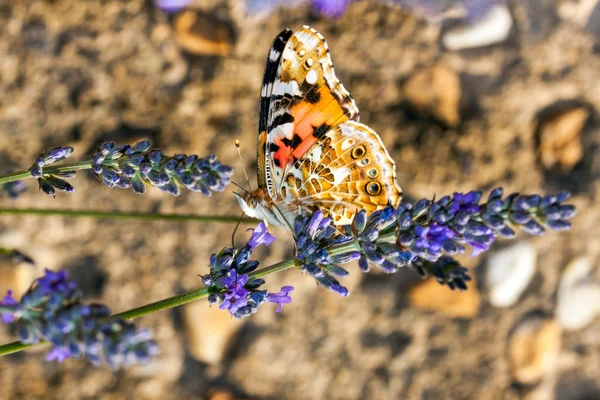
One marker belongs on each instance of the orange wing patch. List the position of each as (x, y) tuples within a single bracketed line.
[(307, 101)]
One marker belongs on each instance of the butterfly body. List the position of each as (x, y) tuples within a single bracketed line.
[(313, 154)]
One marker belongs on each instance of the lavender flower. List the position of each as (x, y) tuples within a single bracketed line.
[(172, 6), (229, 281), (50, 183), (52, 310), (423, 235), (446, 270), (314, 236), (386, 256), (427, 232), (14, 189), (331, 8), (281, 298), (135, 166)]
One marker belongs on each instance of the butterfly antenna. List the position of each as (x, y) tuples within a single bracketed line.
[(237, 146), (236, 228), (240, 186)]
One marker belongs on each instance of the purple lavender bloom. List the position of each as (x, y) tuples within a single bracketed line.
[(467, 203), (229, 282), (14, 189), (331, 8), (172, 6), (50, 183), (427, 232), (260, 236), (235, 294), (314, 235), (281, 298), (51, 310), (59, 354), (8, 300), (430, 240), (137, 166)]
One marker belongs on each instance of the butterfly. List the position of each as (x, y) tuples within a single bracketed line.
[(313, 153)]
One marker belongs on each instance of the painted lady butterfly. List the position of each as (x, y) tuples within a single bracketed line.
[(313, 154)]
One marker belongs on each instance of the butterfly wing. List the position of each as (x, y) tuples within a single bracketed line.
[(301, 100), (348, 170)]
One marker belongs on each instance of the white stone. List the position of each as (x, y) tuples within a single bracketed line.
[(492, 28), (578, 298), (509, 271)]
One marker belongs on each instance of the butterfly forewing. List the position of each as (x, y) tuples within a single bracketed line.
[(303, 100), (312, 151)]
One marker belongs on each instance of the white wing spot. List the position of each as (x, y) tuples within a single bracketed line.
[(346, 144), (273, 55), (302, 52), (290, 87), (309, 62), (311, 77)]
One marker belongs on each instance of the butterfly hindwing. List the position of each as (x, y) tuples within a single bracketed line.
[(300, 102), (348, 170)]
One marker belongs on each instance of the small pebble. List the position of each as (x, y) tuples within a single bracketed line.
[(436, 91), (509, 272), (560, 138), (429, 295), (492, 28), (209, 331), (533, 349), (578, 298)]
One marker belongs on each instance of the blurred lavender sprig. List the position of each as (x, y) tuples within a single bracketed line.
[(49, 183), (471, 10), (52, 310), (136, 166), (14, 189), (15, 256), (228, 280), (172, 6)]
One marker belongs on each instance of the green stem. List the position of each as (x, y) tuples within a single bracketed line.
[(76, 166), (124, 215)]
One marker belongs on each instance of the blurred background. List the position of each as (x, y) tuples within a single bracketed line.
[(465, 94)]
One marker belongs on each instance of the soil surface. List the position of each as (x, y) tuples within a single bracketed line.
[(79, 73)]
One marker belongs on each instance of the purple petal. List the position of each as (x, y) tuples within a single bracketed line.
[(260, 236), (331, 8), (281, 298), (172, 5)]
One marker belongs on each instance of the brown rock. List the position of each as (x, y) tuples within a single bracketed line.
[(559, 138), (533, 349), (209, 331), (16, 277), (429, 295), (436, 91), (203, 34)]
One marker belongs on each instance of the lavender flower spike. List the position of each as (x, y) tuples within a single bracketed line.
[(229, 282), (315, 234), (52, 310), (136, 166)]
